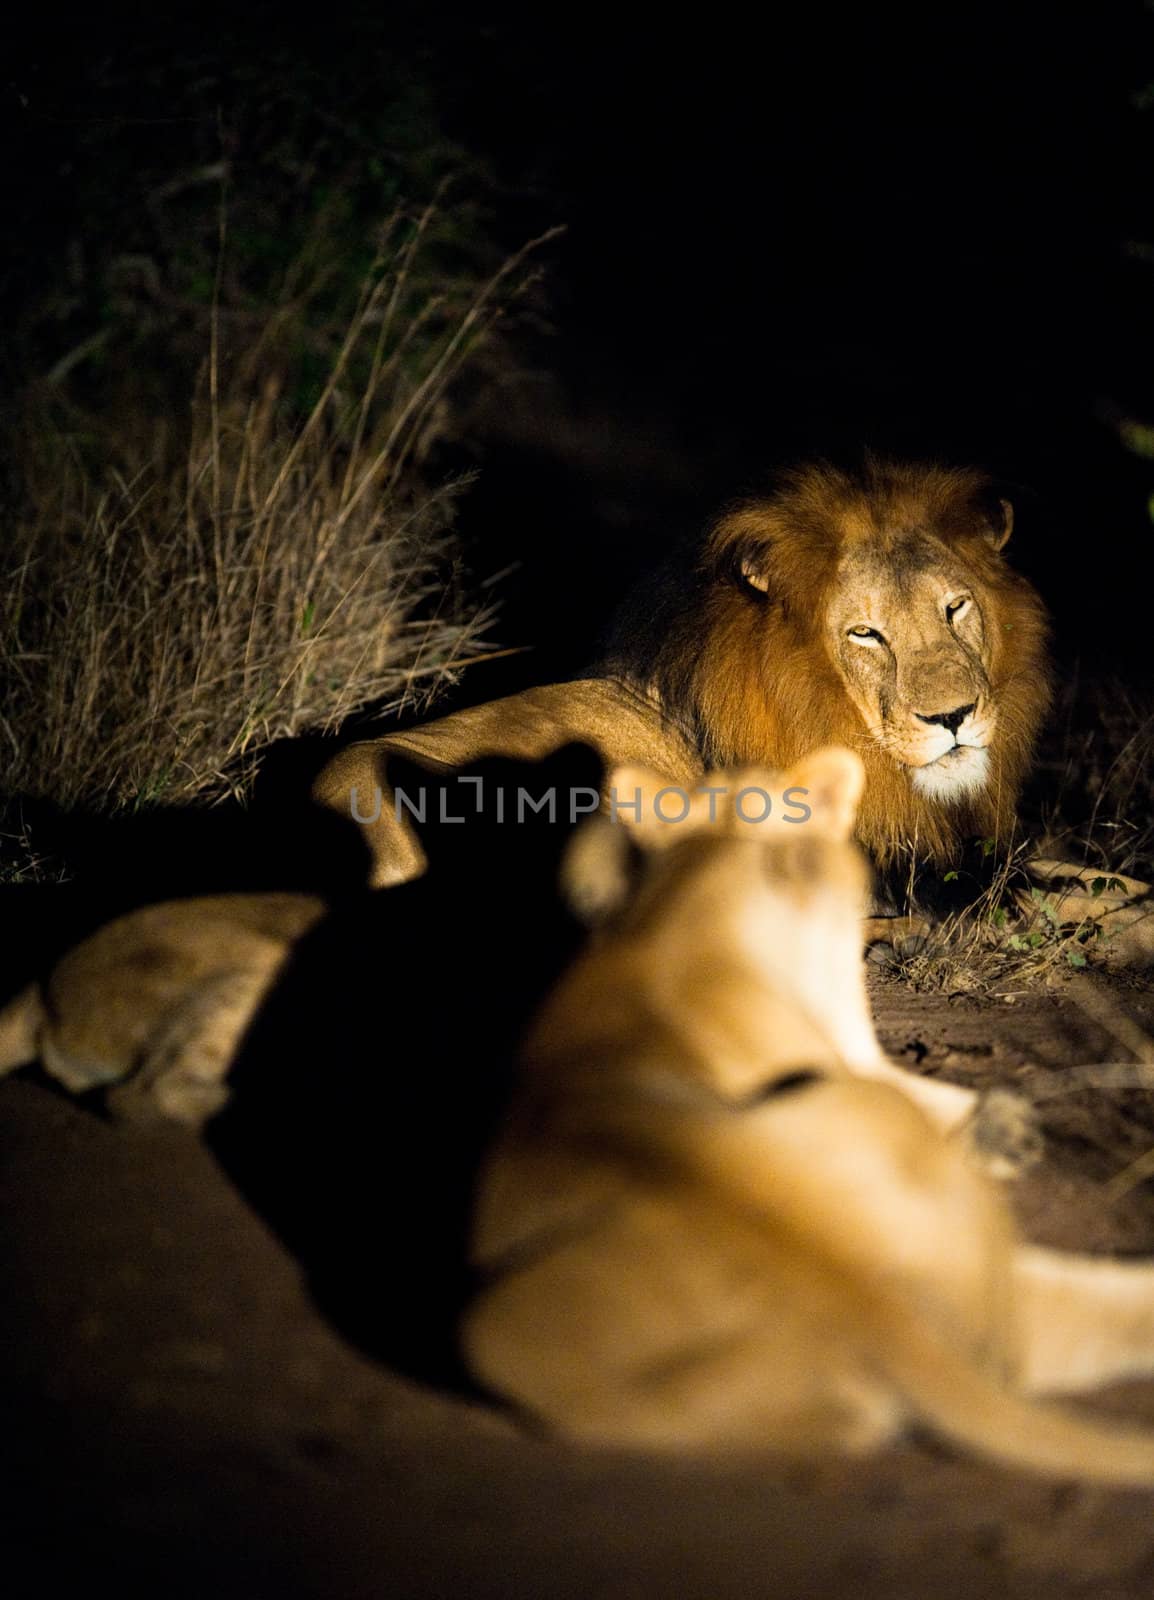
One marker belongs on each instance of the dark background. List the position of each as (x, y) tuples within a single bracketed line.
[(789, 233), (796, 234)]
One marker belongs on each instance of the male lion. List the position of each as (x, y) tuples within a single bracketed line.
[(709, 1218), (875, 611)]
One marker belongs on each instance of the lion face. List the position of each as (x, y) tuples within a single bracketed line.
[(877, 611), (911, 644)]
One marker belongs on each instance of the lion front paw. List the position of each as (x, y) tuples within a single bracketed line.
[(1004, 1134), (892, 940)]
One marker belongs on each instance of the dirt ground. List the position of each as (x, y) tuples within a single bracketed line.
[(180, 1420)]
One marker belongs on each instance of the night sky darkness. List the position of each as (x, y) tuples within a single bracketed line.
[(809, 232), (789, 233)]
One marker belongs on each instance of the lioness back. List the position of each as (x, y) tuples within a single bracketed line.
[(702, 1224), (157, 1000)]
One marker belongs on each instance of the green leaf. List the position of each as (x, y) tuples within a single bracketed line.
[(1138, 437), (950, 877), (1075, 958), (1109, 885), (1045, 905)]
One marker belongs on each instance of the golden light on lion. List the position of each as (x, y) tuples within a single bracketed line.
[(875, 610)]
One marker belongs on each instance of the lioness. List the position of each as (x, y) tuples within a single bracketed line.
[(711, 1220), (154, 1005), (874, 610)]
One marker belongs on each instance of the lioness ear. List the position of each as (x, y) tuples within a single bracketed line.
[(599, 868), (832, 781), (633, 801), (629, 793)]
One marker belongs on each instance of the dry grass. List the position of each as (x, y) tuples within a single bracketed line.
[(1096, 810), (1099, 780), (250, 573), (1013, 937)]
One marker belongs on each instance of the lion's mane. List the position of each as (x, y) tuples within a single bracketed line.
[(751, 672)]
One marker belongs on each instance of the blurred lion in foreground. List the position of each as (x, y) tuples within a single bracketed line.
[(714, 1213), (717, 1216)]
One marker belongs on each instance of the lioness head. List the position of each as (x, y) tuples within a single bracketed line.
[(737, 904), (875, 611), (743, 839)]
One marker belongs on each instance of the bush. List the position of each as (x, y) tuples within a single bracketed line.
[(179, 595), (223, 524)]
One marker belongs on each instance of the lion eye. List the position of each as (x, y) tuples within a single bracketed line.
[(864, 635), (957, 608)]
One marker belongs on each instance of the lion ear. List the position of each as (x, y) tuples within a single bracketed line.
[(630, 791), (829, 784), (751, 565), (999, 522), (599, 870), (740, 546), (639, 800)]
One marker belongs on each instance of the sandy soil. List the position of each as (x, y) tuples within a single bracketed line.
[(180, 1419)]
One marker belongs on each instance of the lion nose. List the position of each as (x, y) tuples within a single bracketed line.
[(949, 719)]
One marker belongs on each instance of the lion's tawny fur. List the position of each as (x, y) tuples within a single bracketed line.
[(754, 675), (745, 661), (714, 1214)]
